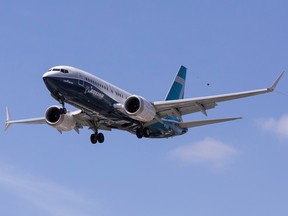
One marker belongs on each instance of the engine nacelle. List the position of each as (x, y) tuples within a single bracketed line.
[(139, 108), (62, 122)]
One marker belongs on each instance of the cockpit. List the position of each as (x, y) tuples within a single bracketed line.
[(59, 69)]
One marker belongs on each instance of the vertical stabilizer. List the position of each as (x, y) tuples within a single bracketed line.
[(176, 91)]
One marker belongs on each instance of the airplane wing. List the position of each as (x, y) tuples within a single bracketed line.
[(9, 122), (82, 119), (201, 104)]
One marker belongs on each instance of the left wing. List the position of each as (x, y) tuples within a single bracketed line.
[(201, 104)]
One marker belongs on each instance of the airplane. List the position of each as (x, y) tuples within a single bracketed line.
[(103, 106)]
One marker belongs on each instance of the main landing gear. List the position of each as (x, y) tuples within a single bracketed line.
[(140, 132), (97, 137)]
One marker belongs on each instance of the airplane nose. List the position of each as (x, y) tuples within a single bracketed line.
[(50, 81), (48, 74), (49, 77)]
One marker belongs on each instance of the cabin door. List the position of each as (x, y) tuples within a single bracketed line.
[(80, 80)]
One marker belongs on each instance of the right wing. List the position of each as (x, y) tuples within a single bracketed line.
[(186, 106), (9, 122), (82, 119)]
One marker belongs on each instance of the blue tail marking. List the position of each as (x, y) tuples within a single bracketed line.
[(177, 89)]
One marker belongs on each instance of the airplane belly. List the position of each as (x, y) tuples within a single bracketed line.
[(89, 98), (98, 104)]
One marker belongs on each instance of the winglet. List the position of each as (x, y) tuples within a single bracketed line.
[(272, 88), (8, 119)]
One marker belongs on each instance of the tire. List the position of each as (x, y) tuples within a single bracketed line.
[(139, 133), (63, 111), (93, 138), (146, 132), (100, 138)]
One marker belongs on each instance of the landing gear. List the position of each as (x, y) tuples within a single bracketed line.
[(63, 110), (146, 132), (97, 137), (140, 132), (61, 100)]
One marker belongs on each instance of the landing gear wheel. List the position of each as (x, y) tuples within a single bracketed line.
[(93, 138), (63, 111), (139, 133), (100, 138), (146, 132), (97, 137)]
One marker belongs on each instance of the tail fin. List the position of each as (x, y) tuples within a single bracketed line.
[(176, 91)]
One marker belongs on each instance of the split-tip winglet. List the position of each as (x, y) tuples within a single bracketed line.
[(272, 88)]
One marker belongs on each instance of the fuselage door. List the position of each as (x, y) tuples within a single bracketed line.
[(80, 79)]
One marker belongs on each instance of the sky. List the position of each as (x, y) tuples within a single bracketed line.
[(234, 168)]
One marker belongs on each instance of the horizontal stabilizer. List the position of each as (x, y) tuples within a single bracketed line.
[(205, 122)]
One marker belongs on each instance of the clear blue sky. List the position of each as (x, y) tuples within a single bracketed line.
[(236, 168)]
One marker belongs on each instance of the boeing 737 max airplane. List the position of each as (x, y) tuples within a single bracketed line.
[(103, 106)]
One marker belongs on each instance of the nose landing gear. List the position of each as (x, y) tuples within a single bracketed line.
[(63, 110), (95, 137)]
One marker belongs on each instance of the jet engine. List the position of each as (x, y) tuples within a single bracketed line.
[(139, 108), (62, 122)]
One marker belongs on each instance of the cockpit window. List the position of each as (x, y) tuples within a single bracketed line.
[(64, 71), (58, 69)]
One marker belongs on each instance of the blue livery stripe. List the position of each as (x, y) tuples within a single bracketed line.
[(177, 89)]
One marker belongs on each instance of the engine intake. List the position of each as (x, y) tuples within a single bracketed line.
[(62, 122), (139, 108)]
